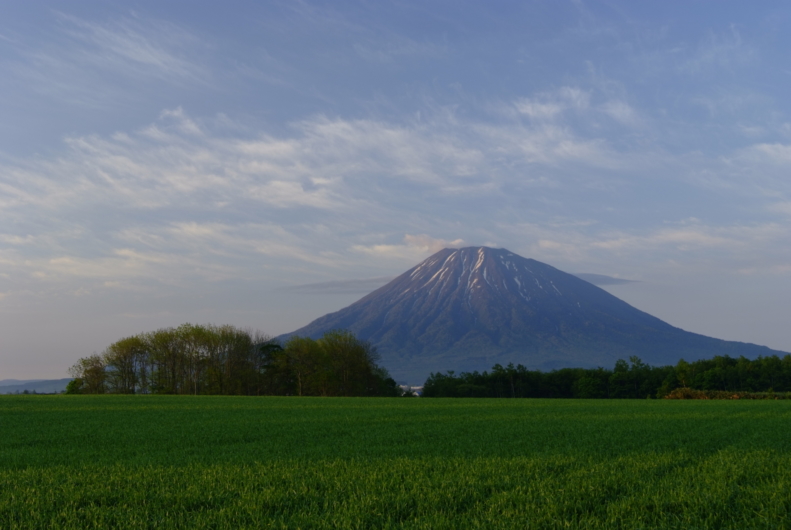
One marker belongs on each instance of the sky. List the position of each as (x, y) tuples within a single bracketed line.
[(263, 163)]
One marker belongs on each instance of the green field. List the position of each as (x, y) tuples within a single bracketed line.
[(234, 462)]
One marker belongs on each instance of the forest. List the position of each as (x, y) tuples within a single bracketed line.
[(710, 378), (225, 360)]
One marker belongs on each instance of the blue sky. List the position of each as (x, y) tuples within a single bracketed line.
[(170, 162)]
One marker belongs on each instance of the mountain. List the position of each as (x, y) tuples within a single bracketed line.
[(39, 386), (467, 309), (4, 382)]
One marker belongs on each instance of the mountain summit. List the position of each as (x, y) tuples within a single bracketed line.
[(469, 308)]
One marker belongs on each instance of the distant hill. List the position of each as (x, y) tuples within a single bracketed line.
[(5, 382), (40, 386), (467, 309)]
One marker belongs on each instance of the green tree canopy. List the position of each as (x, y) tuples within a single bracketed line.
[(193, 359)]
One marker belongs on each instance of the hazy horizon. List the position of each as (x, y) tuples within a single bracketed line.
[(203, 163)]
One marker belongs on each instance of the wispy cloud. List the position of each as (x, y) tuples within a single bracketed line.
[(724, 50), (183, 200), (699, 246), (133, 46), (361, 286), (622, 112), (776, 153), (549, 105), (413, 247), (602, 279), (781, 207), (398, 47), (95, 63)]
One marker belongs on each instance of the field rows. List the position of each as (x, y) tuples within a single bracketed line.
[(166, 462)]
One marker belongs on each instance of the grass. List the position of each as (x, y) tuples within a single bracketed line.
[(227, 462)]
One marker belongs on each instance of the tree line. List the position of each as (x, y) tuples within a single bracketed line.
[(194, 359), (633, 379)]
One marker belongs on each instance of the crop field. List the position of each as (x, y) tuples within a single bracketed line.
[(246, 462)]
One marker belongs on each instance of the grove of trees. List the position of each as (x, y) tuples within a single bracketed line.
[(192, 359), (633, 379)]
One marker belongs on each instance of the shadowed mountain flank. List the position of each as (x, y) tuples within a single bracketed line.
[(467, 309)]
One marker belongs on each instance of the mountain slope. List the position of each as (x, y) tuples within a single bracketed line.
[(467, 309)]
